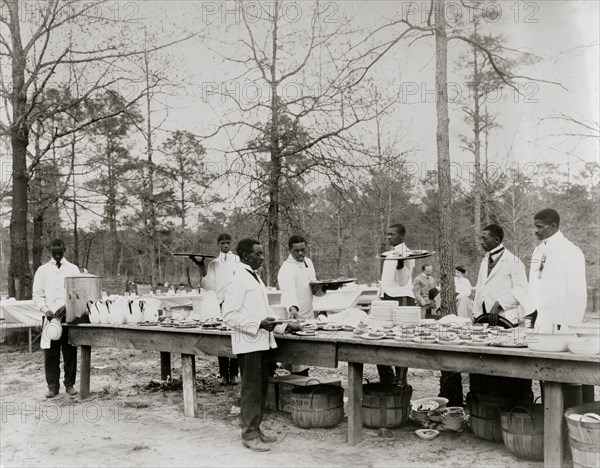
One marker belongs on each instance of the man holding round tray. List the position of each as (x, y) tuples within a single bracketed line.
[(396, 285)]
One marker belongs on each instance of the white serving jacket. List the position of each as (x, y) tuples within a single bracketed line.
[(49, 291), (219, 273), (294, 280), (394, 282), (507, 284), (558, 292), (246, 305)]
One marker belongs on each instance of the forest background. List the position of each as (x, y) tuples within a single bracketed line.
[(134, 130)]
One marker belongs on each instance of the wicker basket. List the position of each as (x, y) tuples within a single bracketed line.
[(523, 431), (385, 405), (317, 406), (584, 437)]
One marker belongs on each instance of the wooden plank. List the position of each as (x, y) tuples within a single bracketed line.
[(553, 424), (355, 396), (310, 353), (587, 394), (153, 340), (165, 365), (525, 366), (190, 404), (465, 349), (84, 377)]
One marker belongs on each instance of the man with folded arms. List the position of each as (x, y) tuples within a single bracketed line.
[(246, 310), (49, 294)]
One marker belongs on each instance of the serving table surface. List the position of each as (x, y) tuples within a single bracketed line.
[(327, 348)]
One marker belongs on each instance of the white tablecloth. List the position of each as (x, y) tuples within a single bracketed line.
[(25, 312)]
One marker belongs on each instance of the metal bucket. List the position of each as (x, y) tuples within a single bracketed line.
[(80, 290)]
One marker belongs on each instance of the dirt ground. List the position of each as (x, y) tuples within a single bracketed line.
[(127, 422)]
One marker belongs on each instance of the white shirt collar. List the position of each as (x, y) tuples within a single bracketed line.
[(553, 238), (62, 261), (496, 250), (291, 259)]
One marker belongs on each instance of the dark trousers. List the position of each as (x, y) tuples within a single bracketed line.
[(228, 367), (52, 361), (254, 369), (386, 373)]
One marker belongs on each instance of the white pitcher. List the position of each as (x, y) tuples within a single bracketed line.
[(119, 310), (93, 312), (136, 314), (103, 310), (150, 310)]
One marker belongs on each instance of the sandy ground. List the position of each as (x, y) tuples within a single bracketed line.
[(126, 422)]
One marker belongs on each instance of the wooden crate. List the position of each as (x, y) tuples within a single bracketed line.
[(279, 397)]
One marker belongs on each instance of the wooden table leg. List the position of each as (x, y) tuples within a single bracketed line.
[(355, 396), (165, 365), (29, 329), (587, 393), (553, 424), (84, 377), (188, 367)]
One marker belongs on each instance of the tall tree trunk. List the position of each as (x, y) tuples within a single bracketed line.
[(443, 156), (111, 212), (19, 274), (36, 201), (75, 259), (450, 382), (477, 146), (150, 173), (275, 176), (37, 244)]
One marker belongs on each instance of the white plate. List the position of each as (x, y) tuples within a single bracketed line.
[(366, 337), (421, 340)]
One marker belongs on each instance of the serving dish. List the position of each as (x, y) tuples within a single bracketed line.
[(305, 333), (427, 434), (366, 336), (550, 342), (333, 281), (410, 255)]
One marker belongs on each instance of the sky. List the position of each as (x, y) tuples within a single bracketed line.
[(563, 35)]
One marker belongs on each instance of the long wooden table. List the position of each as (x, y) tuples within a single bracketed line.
[(327, 348)]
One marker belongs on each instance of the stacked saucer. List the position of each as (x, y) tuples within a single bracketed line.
[(406, 315), (381, 313)]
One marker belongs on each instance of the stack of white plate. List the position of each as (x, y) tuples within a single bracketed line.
[(406, 314), (381, 313), (585, 346)]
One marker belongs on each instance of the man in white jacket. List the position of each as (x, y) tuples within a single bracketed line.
[(396, 285), (294, 278), (502, 282), (49, 294), (218, 274), (246, 310), (557, 283)]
